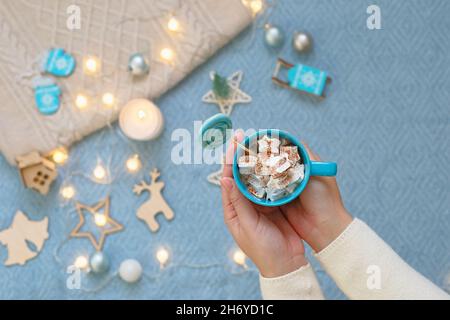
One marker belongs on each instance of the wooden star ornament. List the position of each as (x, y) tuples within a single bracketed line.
[(103, 221), (234, 96), (216, 176)]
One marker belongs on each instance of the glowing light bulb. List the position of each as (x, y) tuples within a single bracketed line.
[(108, 99), (100, 219), (133, 163), (59, 156), (81, 262), (81, 101), (68, 192), (99, 172), (162, 255), (254, 5), (239, 257), (91, 65), (167, 54), (173, 24), (141, 114)]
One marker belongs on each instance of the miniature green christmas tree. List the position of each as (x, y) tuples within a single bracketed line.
[(220, 87)]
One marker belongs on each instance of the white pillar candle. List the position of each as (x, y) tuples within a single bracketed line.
[(141, 119)]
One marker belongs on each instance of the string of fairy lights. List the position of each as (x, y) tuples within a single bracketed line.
[(92, 66), (101, 173)]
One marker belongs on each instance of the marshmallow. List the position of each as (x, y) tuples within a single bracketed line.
[(257, 192), (290, 188), (279, 175), (262, 170), (291, 152), (287, 178), (273, 161), (257, 181), (247, 164), (282, 165), (268, 145), (274, 195), (279, 183), (263, 156), (296, 173), (277, 164)]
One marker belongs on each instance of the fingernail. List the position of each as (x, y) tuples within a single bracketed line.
[(239, 132), (238, 135), (227, 183)]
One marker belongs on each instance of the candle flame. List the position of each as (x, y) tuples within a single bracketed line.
[(141, 114)]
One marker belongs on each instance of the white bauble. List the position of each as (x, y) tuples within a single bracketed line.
[(130, 271)]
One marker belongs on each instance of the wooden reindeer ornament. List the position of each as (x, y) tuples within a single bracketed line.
[(156, 203), (21, 231)]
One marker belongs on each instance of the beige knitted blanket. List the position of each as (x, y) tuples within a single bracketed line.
[(111, 30)]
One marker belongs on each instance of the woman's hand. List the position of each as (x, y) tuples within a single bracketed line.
[(263, 233), (318, 215)]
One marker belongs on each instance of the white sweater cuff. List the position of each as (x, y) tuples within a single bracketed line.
[(301, 284), (365, 267)]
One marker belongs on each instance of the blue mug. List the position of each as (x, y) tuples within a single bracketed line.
[(312, 168)]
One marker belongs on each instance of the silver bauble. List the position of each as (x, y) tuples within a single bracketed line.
[(273, 36), (138, 65), (99, 262), (302, 42)]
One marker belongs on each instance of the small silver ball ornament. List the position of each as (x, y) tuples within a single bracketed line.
[(138, 65), (99, 262), (273, 36), (302, 42)]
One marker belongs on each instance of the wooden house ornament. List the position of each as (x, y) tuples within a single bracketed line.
[(36, 172)]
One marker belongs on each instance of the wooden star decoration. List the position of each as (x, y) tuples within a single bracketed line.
[(236, 94), (110, 225), (216, 176)]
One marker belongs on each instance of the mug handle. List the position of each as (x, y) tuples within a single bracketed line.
[(326, 169)]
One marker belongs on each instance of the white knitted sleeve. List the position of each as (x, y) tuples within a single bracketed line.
[(301, 284), (365, 267)]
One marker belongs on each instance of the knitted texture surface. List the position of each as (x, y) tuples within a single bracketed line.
[(110, 31)]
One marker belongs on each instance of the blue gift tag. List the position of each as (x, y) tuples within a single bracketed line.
[(215, 131), (59, 63), (47, 98), (307, 79)]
